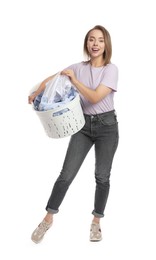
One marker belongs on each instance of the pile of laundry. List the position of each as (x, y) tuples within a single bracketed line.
[(58, 92)]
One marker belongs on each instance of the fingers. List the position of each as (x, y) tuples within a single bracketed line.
[(30, 99), (63, 72), (66, 72)]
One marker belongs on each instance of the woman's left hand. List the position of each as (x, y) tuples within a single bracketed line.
[(70, 74)]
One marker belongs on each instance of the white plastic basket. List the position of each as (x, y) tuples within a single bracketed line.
[(59, 124)]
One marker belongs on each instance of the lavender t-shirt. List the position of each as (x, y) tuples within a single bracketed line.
[(92, 77)]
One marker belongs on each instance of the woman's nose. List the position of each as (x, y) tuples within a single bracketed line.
[(95, 42)]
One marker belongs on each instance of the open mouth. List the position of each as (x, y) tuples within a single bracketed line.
[(95, 49)]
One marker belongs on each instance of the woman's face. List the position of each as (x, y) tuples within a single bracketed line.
[(95, 43)]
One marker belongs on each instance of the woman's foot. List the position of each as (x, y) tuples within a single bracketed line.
[(42, 228), (95, 232)]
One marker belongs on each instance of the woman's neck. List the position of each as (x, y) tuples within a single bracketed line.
[(97, 62)]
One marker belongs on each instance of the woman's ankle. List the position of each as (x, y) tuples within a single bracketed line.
[(49, 218), (96, 220)]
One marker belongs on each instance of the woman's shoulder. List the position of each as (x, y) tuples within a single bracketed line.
[(77, 65), (111, 66), (111, 69), (80, 64)]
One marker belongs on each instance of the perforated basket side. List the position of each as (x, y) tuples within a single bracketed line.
[(64, 124)]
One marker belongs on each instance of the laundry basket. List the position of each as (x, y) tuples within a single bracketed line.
[(63, 121)]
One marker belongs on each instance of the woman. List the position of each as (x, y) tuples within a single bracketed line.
[(96, 81)]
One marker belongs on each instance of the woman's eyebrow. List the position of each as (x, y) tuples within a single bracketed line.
[(94, 37)]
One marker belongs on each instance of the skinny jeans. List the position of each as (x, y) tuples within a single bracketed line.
[(100, 130)]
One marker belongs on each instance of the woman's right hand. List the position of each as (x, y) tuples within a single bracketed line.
[(31, 97), (40, 89)]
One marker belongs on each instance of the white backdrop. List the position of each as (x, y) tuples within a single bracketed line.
[(39, 38)]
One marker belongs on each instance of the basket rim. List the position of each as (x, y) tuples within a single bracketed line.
[(67, 105)]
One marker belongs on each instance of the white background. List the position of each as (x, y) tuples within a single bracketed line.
[(38, 39)]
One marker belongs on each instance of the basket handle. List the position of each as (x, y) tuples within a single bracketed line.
[(60, 112)]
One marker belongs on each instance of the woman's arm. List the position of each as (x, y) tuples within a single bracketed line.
[(93, 96)]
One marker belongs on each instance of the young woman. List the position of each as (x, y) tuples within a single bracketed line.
[(96, 81)]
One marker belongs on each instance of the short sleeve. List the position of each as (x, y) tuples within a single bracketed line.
[(110, 77)]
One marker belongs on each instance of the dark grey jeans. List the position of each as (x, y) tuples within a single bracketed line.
[(101, 131)]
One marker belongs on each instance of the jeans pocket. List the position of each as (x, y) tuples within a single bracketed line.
[(109, 119)]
